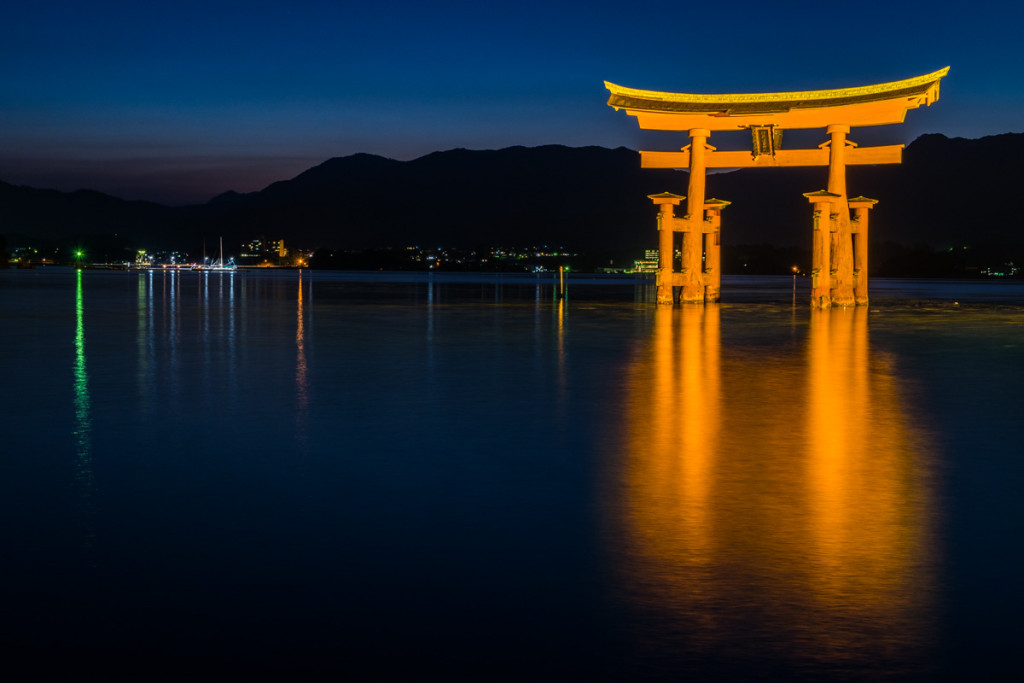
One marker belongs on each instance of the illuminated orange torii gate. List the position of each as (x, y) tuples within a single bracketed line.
[(839, 268)]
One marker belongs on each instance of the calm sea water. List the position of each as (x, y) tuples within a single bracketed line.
[(316, 474)]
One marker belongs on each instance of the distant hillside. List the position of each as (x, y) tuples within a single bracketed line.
[(591, 197), (947, 192), (49, 216)]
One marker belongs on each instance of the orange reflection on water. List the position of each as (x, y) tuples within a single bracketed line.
[(771, 497), (666, 491), (301, 368), (301, 382), (866, 488)]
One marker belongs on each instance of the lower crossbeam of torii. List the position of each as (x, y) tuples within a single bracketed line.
[(839, 268)]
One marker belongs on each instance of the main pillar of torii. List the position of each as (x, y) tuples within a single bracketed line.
[(843, 242)]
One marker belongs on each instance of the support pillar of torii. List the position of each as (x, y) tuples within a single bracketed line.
[(668, 224), (859, 235), (713, 249), (824, 227)]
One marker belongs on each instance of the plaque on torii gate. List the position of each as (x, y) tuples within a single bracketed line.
[(839, 268)]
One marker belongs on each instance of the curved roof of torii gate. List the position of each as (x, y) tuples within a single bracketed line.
[(869, 105)]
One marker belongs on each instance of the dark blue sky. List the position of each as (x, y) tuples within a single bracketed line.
[(176, 102)]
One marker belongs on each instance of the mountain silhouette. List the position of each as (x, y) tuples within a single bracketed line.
[(946, 193)]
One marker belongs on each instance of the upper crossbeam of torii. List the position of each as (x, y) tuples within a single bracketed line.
[(839, 268)]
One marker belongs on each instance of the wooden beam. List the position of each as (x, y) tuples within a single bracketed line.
[(854, 115), (868, 105), (856, 156)]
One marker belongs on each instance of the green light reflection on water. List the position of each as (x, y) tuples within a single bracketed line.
[(83, 425)]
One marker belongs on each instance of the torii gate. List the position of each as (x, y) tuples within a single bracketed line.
[(839, 269)]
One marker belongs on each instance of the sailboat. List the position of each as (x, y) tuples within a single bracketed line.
[(220, 265)]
